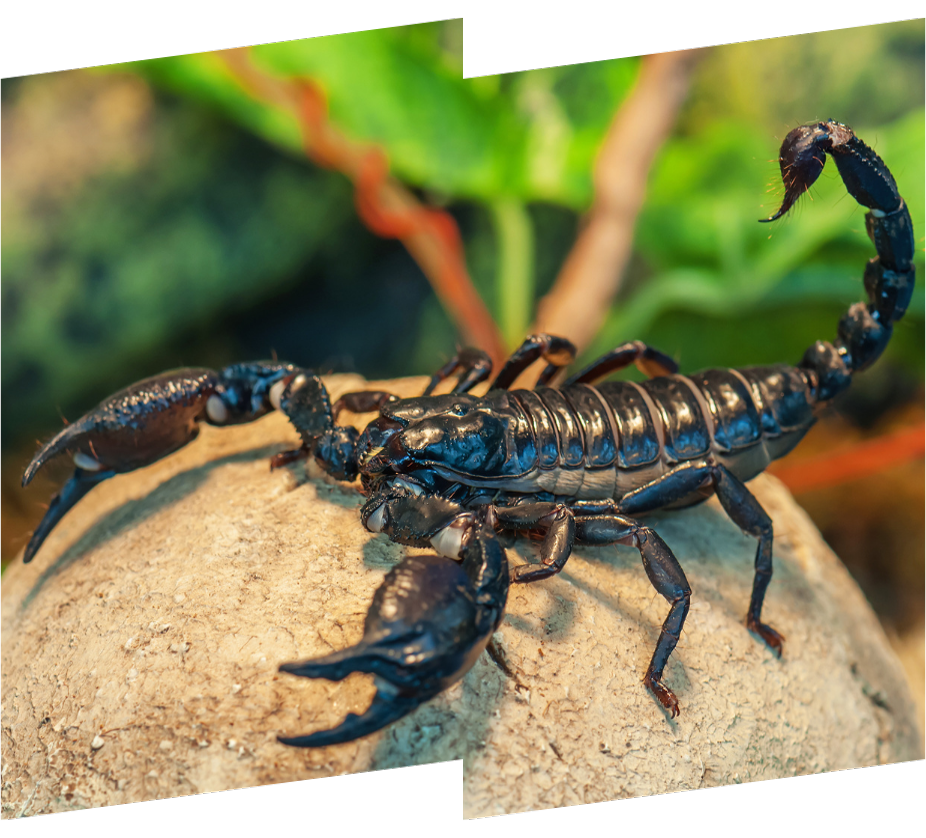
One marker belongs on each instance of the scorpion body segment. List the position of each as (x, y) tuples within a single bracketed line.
[(591, 442), (574, 463)]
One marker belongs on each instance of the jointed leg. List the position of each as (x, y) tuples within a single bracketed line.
[(557, 352), (558, 522), (473, 366), (649, 361), (591, 523), (666, 576), (744, 510)]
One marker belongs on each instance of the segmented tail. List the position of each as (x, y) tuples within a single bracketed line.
[(864, 330)]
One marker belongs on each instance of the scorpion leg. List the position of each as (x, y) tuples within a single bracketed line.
[(594, 522), (742, 507), (649, 361), (558, 352), (746, 512), (474, 366), (149, 420), (666, 576), (429, 622), (558, 523)]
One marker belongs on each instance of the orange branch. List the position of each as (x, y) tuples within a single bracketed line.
[(384, 205), (860, 460), (591, 276)]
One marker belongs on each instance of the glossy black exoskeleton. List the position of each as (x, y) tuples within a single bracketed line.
[(149, 420), (573, 463)]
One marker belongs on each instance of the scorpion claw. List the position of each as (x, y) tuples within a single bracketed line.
[(429, 622), (389, 703), (384, 710), (130, 429), (79, 484), (149, 420)]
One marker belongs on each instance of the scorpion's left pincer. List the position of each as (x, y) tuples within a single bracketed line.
[(149, 420), (429, 622)]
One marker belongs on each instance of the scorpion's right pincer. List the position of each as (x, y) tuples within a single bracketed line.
[(429, 622)]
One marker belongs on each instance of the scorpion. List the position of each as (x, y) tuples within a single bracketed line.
[(576, 463)]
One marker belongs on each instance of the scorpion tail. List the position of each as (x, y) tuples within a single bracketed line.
[(865, 329)]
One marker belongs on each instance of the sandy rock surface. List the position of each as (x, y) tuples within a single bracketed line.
[(140, 651)]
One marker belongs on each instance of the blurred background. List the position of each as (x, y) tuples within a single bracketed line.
[(350, 203)]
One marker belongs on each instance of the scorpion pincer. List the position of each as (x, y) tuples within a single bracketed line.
[(578, 462)]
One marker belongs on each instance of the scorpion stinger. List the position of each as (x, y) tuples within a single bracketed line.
[(149, 420), (864, 330)]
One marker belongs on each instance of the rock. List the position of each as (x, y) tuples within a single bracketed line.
[(140, 651)]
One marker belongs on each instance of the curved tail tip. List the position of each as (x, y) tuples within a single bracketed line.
[(791, 197)]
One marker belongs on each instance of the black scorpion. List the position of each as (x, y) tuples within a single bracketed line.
[(575, 463)]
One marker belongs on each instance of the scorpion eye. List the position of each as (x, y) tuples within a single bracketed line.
[(459, 409)]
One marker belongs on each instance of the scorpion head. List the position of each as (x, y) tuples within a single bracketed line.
[(440, 438)]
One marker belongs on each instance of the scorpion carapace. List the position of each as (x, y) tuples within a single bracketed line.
[(573, 463)]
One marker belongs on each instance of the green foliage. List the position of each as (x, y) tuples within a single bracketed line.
[(213, 219), (704, 253), (506, 142), (531, 136), (207, 224), (499, 141)]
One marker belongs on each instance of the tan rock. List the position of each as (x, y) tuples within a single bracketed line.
[(140, 651)]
